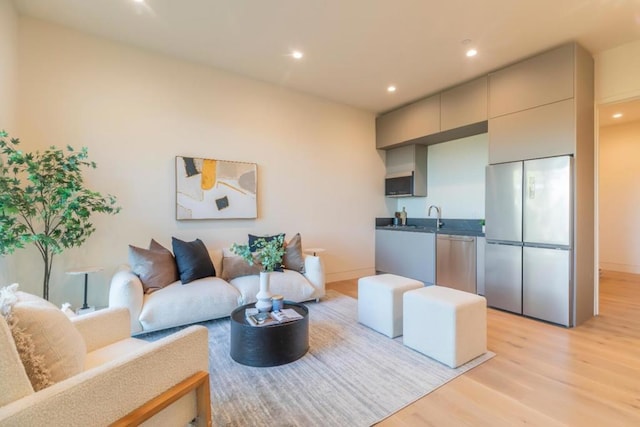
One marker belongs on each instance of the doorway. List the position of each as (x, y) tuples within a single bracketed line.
[(618, 176)]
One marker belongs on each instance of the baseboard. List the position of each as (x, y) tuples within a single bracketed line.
[(619, 276), (623, 268), (351, 274)]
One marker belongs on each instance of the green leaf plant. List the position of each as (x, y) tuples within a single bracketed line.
[(43, 200), (268, 253)]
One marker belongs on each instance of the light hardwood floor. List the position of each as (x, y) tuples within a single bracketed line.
[(545, 375)]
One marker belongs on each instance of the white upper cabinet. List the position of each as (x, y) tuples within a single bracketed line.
[(543, 79), (464, 105), (409, 122)]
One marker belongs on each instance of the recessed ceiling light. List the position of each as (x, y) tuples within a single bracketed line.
[(297, 54), (472, 52), (391, 89), (617, 115), (138, 1)]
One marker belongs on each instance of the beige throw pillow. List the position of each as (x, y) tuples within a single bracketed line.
[(236, 266), (156, 266), (54, 337), (14, 382)]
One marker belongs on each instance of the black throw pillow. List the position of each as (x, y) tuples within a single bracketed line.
[(253, 248), (192, 259)]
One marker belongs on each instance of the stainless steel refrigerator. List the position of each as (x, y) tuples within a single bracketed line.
[(528, 256)]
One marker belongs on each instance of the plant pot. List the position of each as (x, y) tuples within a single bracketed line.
[(264, 296)]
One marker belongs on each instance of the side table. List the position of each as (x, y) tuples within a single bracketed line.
[(84, 270), (314, 251), (272, 345)]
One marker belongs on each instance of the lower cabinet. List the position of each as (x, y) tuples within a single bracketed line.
[(408, 254)]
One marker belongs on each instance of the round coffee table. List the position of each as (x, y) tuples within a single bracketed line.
[(270, 345)]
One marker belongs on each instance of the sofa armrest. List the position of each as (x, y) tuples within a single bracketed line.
[(103, 327), (102, 395), (314, 272), (126, 291)]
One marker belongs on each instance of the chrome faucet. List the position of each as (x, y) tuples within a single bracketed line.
[(438, 217)]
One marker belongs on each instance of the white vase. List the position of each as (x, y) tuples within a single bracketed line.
[(264, 296)]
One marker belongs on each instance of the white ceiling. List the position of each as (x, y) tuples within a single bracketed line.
[(630, 111), (353, 49)]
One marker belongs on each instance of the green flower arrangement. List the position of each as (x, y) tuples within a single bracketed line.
[(268, 253)]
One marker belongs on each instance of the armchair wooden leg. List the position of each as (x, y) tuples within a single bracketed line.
[(198, 382)]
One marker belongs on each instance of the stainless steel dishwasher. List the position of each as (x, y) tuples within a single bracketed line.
[(456, 262)]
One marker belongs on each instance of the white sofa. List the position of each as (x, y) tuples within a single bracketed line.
[(210, 297)]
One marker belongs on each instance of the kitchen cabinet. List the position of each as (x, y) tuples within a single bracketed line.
[(545, 131), (480, 245), (464, 105), (407, 254), (543, 79), (409, 122)]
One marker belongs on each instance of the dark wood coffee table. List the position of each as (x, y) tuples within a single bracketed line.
[(270, 345)]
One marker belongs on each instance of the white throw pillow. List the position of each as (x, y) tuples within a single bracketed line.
[(54, 336)]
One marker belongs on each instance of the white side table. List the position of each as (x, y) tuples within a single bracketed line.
[(314, 251), (85, 270)]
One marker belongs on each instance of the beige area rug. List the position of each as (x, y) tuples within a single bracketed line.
[(351, 376)]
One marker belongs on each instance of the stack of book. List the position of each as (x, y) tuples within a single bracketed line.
[(274, 317)]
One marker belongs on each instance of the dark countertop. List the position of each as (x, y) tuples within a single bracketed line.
[(458, 227)]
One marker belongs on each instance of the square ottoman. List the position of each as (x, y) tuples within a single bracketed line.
[(380, 302), (445, 324)]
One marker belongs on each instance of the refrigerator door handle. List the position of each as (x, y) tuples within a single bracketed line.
[(503, 242)]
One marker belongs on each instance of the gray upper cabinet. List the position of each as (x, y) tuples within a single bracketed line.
[(408, 159), (538, 132), (543, 79), (464, 105), (409, 122)]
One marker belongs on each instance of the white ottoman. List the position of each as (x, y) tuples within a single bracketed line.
[(380, 302), (445, 324)]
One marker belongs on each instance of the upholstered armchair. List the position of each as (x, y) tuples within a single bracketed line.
[(121, 380)]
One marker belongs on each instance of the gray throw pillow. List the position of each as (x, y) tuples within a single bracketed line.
[(155, 266), (293, 258), (193, 260)]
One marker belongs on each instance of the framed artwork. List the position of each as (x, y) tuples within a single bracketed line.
[(215, 189)]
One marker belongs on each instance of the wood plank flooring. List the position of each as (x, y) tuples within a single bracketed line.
[(545, 375)]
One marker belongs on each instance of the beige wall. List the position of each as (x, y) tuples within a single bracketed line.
[(616, 73), (8, 64), (619, 202), (318, 171), (8, 73), (455, 179)]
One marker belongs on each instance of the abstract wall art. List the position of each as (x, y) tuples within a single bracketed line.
[(215, 189)]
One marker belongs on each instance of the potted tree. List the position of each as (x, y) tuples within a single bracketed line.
[(43, 200), (269, 253)]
